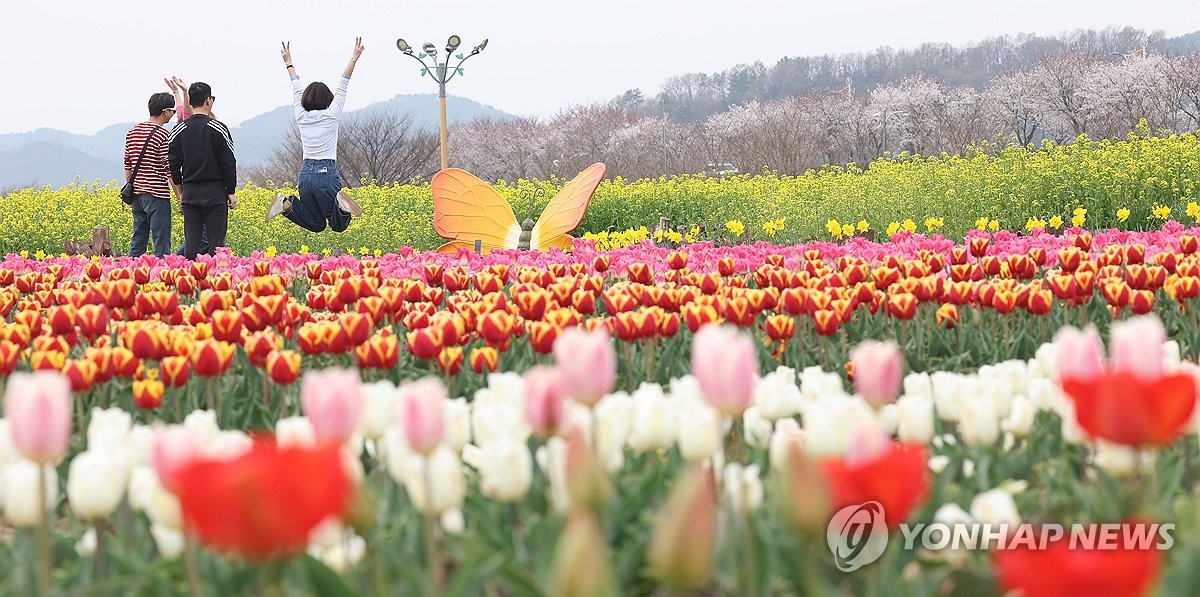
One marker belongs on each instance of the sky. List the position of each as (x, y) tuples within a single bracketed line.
[(80, 65)]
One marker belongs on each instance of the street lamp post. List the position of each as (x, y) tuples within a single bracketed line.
[(441, 73)]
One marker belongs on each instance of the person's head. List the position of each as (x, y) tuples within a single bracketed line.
[(200, 95), (162, 105), (317, 96)]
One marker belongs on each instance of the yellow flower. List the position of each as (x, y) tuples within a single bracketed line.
[(847, 229), (981, 223), (303, 249), (1055, 222), (1123, 214), (378, 253), (932, 224), (1161, 212), (834, 228), (893, 228), (326, 252), (1032, 223), (25, 254), (1193, 210), (40, 255), (863, 225), (270, 252), (674, 236), (736, 227), (909, 225), (1079, 217), (364, 250), (994, 225), (658, 235)]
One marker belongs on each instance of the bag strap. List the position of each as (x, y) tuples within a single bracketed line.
[(138, 164)]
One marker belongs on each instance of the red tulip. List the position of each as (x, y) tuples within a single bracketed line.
[(284, 366), (484, 359), (378, 352), (148, 393), (10, 355), (780, 327), (1058, 568), (1129, 409), (450, 360), (264, 503), (211, 358), (895, 477), (947, 316)]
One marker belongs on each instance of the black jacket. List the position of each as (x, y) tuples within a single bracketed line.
[(200, 153)]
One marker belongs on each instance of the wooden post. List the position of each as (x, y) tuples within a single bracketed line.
[(478, 247)]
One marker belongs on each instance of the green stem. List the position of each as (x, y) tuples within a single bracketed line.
[(751, 556), (432, 556), (100, 555), (43, 534), (193, 570)]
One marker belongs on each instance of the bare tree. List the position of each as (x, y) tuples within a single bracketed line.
[(384, 146)]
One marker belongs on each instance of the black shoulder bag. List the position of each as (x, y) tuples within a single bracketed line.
[(127, 190)]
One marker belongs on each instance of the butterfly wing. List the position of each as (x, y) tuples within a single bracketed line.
[(466, 209), (566, 209)]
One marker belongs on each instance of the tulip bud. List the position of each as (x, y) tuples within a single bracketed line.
[(421, 414), (684, 540), (38, 408), (505, 470), (588, 363), (726, 364), (448, 488), (1137, 346), (148, 393), (96, 483), (878, 368), (284, 366), (1079, 354), (332, 400), (587, 483), (581, 559), (545, 400), (21, 507)]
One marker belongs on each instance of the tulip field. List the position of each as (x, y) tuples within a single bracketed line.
[(649, 419)]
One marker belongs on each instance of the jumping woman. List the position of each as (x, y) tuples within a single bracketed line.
[(321, 200)]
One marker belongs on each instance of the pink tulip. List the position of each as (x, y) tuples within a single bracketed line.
[(545, 400), (422, 414), (587, 362), (38, 407), (1137, 346), (726, 364), (878, 368), (332, 399), (174, 447), (1079, 354)]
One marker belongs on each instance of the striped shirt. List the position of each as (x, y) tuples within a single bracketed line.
[(153, 175)]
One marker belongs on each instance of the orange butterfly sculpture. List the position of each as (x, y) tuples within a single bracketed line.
[(466, 209)]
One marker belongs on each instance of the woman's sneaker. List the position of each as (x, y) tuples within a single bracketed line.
[(347, 204), (276, 208)]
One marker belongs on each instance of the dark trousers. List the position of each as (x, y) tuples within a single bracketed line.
[(317, 204), (197, 220), (203, 243), (151, 221)]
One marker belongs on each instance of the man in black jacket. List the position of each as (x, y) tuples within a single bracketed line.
[(200, 154)]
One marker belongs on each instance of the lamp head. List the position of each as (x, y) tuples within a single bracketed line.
[(479, 48), (403, 46), (429, 48), (453, 43)]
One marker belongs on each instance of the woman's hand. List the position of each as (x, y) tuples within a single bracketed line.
[(286, 52), (171, 85), (358, 48), (179, 83)]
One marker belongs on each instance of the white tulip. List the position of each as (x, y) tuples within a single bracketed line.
[(968, 469), (915, 413), (396, 453), (343, 554), (505, 471), (948, 390), (938, 463), (457, 417), (552, 459), (699, 433), (743, 487), (613, 415), (919, 385), (756, 429), (227, 445), (995, 506), (1170, 355), (686, 387), (21, 506), (889, 417), (777, 396), (379, 409), (817, 383), (1115, 459), (169, 541), (1014, 486), (953, 516), (978, 424), (142, 480), (96, 481), (203, 425), (295, 432), (452, 521), (109, 427), (163, 508), (448, 487), (86, 546), (830, 422), (494, 420), (655, 419), (8, 452), (786, 431), (1020, 419), (141, 445)]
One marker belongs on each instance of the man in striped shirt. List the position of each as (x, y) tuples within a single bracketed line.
[(152, 188)]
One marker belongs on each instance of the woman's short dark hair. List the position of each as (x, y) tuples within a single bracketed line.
[(160, 102), (317, 96)]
